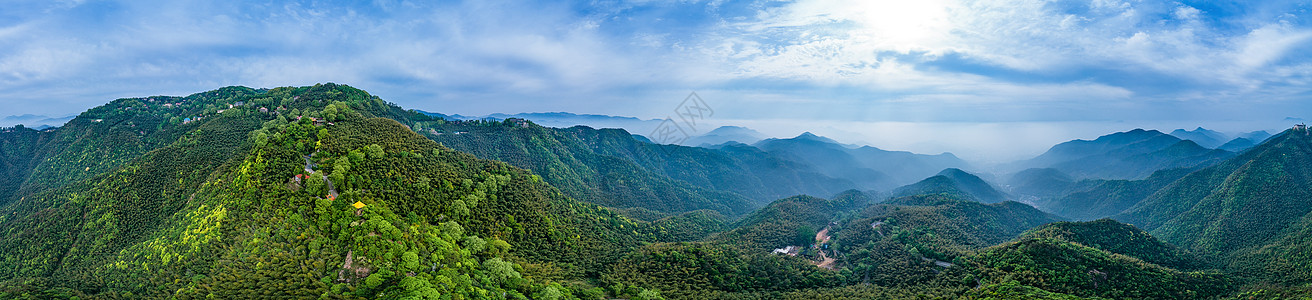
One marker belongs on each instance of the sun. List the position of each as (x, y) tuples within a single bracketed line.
[(902, 25)]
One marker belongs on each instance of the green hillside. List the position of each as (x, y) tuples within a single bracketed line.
[(789, 221), (940, 226), (953, 181), (1253, 206), (610, 167), (1092, 199), (20, 152), (1119, 238), (1060, 266), (329, 192), (221, 212)]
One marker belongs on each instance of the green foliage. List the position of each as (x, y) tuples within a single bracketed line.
[(684, 270), (213, 212), (139, 199), (953, 181), (610, 167), (1119, 238), (1065, 267), (687, 227), (777, 224)]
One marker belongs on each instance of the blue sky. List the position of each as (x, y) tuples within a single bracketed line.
[(851, 68)]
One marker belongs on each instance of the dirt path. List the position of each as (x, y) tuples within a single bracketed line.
[(825, 261)]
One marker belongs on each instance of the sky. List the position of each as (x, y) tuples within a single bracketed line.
[(987, 80)]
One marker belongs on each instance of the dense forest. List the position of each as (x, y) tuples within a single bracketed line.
[(329, 192)]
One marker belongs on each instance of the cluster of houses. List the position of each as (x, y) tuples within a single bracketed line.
[(517, 122)]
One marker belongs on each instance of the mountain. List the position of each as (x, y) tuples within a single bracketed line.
[(868, 167), (232, 202), (1125, 155), (564, 120), (611, 167), (1237, 145), (327, 191), (1206, 138), (34, 121), (918, 239), (955, 223), (1038, 183), (1092, 260), (778, 224), (1256, 136), (1092, 199), (954, 181), (20, 151), (725, 134), (1120, 238), (1255, 205)]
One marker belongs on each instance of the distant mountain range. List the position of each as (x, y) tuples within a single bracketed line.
[(1217, 140), (1132, 154), (326, 191), (566, 120), (34, 121), (869, 167), (725, 134)]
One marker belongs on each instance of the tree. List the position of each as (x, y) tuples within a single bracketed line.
[(410, 261), (650, 294), (475, 244), (314, 184), (500, 270), (375, 151), (458, 208), (805, 236)]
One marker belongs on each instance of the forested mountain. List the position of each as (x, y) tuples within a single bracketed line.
[(868, 167), (20, 150), (1248, 209), (610, 167), (564, 120), (228, 209), (1063, 263), (954, 181), (1133, 154), (1092, 199), (1038, 183), (329, 192)]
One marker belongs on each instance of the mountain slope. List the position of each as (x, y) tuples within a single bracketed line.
[(725, 134), (229, 209), (1119, 238), (1206, 138), (20, 152), (778, 225), (910, 240), (868, 167), (953, 181), (1039, 183), (612, 168), (1254, 199), (1125, 155), (1056, 265), (1092, 199), (1237, 145)]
